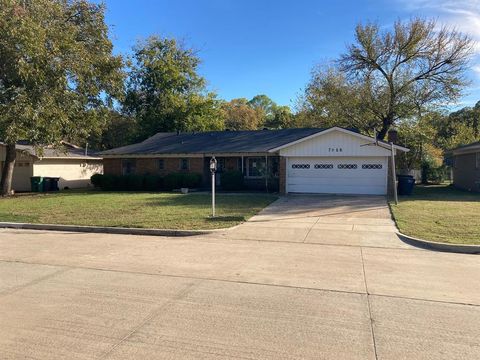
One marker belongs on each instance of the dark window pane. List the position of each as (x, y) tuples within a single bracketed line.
[(256, 166), (184, 164), (128, 166)]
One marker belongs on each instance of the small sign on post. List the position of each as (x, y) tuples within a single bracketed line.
[(213, 169)]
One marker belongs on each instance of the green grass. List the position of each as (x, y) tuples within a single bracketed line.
[(127, 209), (439, 213)]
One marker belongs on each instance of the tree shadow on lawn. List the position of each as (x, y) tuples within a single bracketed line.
[(204, 200)]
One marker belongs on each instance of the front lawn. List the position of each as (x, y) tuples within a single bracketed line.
[(128, 209), (439, 213)]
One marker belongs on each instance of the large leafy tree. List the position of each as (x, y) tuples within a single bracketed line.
[(264, 106), (165, 91), (390, 75), (57, 73), (468, 117), (282, 118), (331, 99), (239, 115), (118, 130), (271, 115)]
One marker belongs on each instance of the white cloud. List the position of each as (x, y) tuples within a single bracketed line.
[(463, 15)]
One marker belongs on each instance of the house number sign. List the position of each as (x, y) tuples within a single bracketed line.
[(335, 149)]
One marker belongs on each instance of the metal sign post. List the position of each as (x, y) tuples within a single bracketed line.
[(213, 169)]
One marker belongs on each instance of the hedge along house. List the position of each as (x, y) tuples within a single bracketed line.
[(71, 164), (334, 160), (465, 161)]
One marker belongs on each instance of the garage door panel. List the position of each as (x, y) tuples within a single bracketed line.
[(340, 181), (336, 189), (337, 174), (341, 175)]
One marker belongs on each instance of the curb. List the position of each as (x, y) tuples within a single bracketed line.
[(431, 245), (108, 230)]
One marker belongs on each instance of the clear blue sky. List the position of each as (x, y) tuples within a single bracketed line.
[(251, 47)]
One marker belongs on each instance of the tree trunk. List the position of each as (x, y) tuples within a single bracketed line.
[(387, 123), (7, 170)]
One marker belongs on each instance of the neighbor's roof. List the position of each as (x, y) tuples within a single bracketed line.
[(254, 141), (68, 151), (473, 147)]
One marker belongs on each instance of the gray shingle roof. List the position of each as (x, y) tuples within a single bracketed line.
[(214, 142), (48, 152)]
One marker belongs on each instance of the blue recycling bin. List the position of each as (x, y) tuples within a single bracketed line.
[(406, 184)]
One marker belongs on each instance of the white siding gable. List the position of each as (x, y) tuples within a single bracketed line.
[(335, 143)]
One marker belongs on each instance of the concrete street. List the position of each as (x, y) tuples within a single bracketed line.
[(310, 277)]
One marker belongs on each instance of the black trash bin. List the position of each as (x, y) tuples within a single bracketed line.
[(50, 183), (54, 183), (405, 184)]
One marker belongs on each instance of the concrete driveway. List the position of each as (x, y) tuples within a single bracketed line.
[(311, 277)]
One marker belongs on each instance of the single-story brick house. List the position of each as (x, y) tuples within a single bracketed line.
[(465, 161), (333, 160), (71, 164)]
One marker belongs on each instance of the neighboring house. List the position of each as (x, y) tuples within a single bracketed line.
[(333, 160), (465, 161), (70, 164)]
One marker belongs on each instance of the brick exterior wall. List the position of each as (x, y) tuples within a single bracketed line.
[(282, 174), (145, 166), (112, 166), (465, 174), (232, 163)]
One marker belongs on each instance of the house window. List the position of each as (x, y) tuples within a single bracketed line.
[(220, 165), (256, 167), (477, 160), (273, 163), (128, 166), (161, 164), (184, 164)]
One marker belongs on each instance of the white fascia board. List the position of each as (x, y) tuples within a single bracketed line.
[(69, 158)]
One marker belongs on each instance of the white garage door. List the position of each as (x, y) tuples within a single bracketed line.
[(337, 175)]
